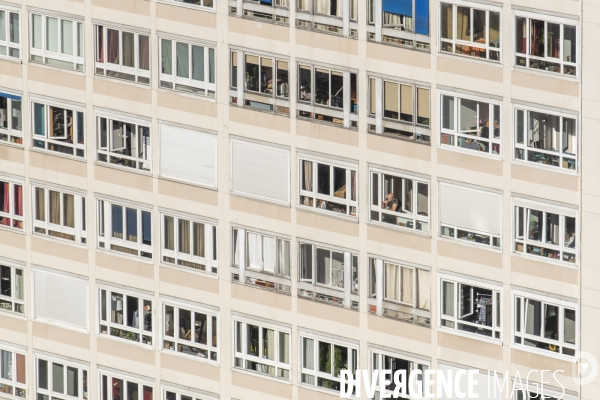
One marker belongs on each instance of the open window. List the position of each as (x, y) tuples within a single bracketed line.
[(271, 11), (125, 315), (58, 128), (11, 118), (263, 348), (389, 360), (470, 124), (401, 23), (13, 372), (122, 54), (10, 32), (337, 17), (56, 41), (59, 213), (59, 378), (12, 288), (121, 386), (11, 204), (191, 331), (124, 142), (545, 137)]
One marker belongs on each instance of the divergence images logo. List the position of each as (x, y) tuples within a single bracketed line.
[(585, 369)]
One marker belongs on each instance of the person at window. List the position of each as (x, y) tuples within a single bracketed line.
[(484, 132), (496, 129), (147, 318), (390, 203), (570, 240)]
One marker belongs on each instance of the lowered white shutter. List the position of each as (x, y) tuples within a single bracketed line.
[(60, 298), (188, 155), (471, 208), (480, 386), (260, 171)]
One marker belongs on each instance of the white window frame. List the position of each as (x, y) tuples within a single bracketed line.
[(344, 25), (315, 197), (109, 151), (125, 379), (524, 148), (105, 238), (78, 62), (194, 6), (545, 300), (207, 88), (102, 68), (376, 357), (315, 374), (278, 268), (79, 149), (209, 261), (8, 43), (563, 213), (471, 43), (179, 394), (11, 214), (12, 299), (495, 146), (108, 324), (43, 228), (13, 135), (528, 58), (401, 213), (172, 344), (276, 13), (82, 376), (397, 35), (243, 356), (15, 386), (496, 329)]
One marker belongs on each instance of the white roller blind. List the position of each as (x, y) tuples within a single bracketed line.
[(188, 155), (61, 298), (260, 171), (470, 208), (479, 388)]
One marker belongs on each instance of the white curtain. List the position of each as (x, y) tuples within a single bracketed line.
[(308, 361), (391, 282), (284, 257), (407, 285), (284, 347), (423, 289), (269, 254), (253, 251), (7, 367), (52, 34), (236, 249)]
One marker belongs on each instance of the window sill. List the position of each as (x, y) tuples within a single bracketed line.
[(188, 357), (124, 169), (257, 19), (547, 74), (130, 342), (14, 230), (182, 182), (394, 137), (171, 3), (124, 81), (250, 108), (547, 260), (497, 342), (331, 214), (482, 61), (324, 32), (11, 59), (319, 389), (316, 121), (67, 70), (263, 376), (397, 228), (456, 149), (261, 199), (61, 325), (400, 46), (559, 170), (186, 94), (10, 144), (209, 275), (470, 244), (61, 241), (528, 349), (57, 154), (13, 314), (123, 255)]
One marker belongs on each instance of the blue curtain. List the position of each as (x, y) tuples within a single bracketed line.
[(422, 18), (38, 119), (401, 7)]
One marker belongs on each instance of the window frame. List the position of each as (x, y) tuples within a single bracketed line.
[(12, 215), (192, 6), (314, 196), (402, 213), (44, 53), (562, 304), (397, 35), (277, 268), (78, 231), (376, 357), (16, 354), (105, 240), (140, 165), (524, 148), (276, 13), (103, 67), (563, 213), (82, 377), (14, 136), (108, 324), (8, 42), (455, 41), (342, 25), (497, 295), (180, 394), (244, 355), (12, 299), (212, 331), (125, 379), (562, 21)]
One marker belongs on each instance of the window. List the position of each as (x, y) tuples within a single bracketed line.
[(122, 54), (11, 204), (59, 214), (120, 315), (265, 81), (470, 31), (13, 372), (202, 4), (12, 289), (545, 325), (399, 109), (171, 393), (189, 243), (187, 67), (328, 16), (270, 11), (471, 307), (387, 360), (10, 33), (470, 214), (261, 259), (58, 128), (546, 43), (329, 187), (328, 95), (545, 138), (470, 123), (60, 379), (57, 41), (546, 231), (196, 333), (399, 291), (124, 142), (401, 23), (399, 200), (328, 275), (120, 387), (125, 228), (323, 359), (262, 348), (11, 118)]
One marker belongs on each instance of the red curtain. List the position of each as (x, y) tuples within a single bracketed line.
[(19, 200)]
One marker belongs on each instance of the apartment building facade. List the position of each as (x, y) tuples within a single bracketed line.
[(238, 199)]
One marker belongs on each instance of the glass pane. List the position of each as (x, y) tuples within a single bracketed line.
[(133, 311), (14, 28), (169, 232), (448, 299), (570, 232), (2, 25), (535, 225), (185, 324), (552, 229), (52, 34), (117, 389), (406, 103), (116, 308), (323, 266), (494, 39), (569, 326), (132, 391), (143, 52), (131, 223), (537, 39), (463, 23), (112, 46), (19, 284), (308, 360), (305, 82), (183, 60), (468, 115), (146, 228), (200, 328), (66, 42), (252, 78), (166, 56), (284, 347), (447, 21), (6, 367), (183, 236), (322, 86), (69, 210), (198, 63), (72, 381), (252, 340), (198, 239), (266, 75), (282, 79), (323, 179), (268, 344), (37, 32), (42, 373), (128, 49), (337, 89), (325, 357), (533, 317), (80, 39), (211, 65), (58, 379), (339, 182), (423, 106), (479, 26), (553, 40), (169, 321), (391, 105), (551, 321), (5, 281), (569, 43), (54, 207)]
